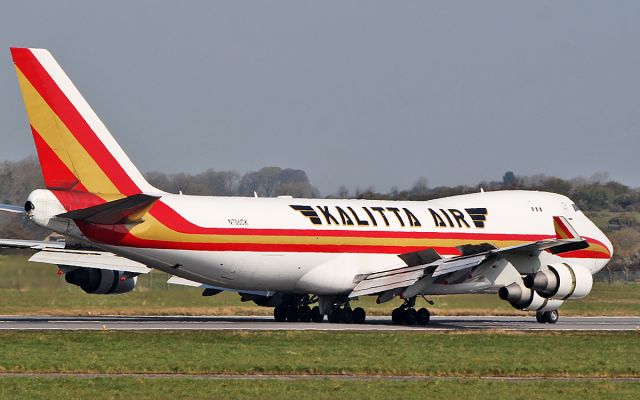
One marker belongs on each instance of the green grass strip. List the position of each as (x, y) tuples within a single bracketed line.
[(406, 353), (167, 388)]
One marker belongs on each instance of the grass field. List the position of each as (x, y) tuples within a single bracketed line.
[(475, 354), (167, 388), (452, 365), (36, 289)]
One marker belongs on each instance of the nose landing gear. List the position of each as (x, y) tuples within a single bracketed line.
[(549, 317)]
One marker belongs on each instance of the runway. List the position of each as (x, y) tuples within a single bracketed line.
[(256, 323)]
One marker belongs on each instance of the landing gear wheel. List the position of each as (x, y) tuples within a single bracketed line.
[(292, 314), (280, 313), (304, 313), (397, 316), (359, 315), (540, 317), (315, 314), (346, 315), (551, 317), (423, 317), (410, 316), (334, 315)]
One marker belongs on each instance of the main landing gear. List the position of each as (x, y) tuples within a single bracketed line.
[(407, 314), (346, 315), (298, 309), (295, 313), (549, 317)]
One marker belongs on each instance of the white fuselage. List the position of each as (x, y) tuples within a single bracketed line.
[(319, 245)]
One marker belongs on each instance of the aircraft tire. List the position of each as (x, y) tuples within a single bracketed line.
[(540, 317), (304, 313), (551, 317), (410, 316), (397, 316), (334, 315), (280, 313), (423, 316), (316, 316), (346, 315), (292, 314), (359, 315)]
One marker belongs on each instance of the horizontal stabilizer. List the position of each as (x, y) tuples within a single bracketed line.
[(122, 211), (89, 259), (30, 244), (12, 209)]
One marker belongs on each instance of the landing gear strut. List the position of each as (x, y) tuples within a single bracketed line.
[(408, 315), (550, 317)]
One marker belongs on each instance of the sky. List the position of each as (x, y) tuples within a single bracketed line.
[(356, 93)]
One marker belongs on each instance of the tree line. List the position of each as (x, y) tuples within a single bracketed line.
[(613, 206)]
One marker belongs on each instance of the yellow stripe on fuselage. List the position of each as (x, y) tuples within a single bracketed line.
[(152, 229)]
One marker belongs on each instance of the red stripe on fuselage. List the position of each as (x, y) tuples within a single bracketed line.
[(119, 235), (27, 62)]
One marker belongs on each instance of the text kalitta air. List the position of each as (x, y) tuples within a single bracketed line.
[(387, 216)]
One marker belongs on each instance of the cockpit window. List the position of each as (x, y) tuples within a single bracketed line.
[(575, 207)]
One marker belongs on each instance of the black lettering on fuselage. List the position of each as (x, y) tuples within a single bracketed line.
[(308, 212), (346, 219), (396, 211), (357, 218), (413, 220), (437, 219), (371, 217), (327, 215), (381, 211), (447, 217), (459, 217)]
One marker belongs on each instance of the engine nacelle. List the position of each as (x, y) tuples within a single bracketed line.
[(523, 298), (561, 281), (100, 281)]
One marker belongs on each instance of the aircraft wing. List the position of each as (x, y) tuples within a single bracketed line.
[(566, 240)]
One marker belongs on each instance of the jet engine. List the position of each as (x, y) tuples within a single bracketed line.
[(561, 281), (100, 281), (526, 299)]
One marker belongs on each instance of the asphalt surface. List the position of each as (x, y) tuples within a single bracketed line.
[(267, 323)]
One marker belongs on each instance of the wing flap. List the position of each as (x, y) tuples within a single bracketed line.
[(89, 259)]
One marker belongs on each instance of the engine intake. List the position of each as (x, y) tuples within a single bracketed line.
[(523, 298), (561, 281), (100, 281)]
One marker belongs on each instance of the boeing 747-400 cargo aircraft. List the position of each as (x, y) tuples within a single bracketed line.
[(535, 249)]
